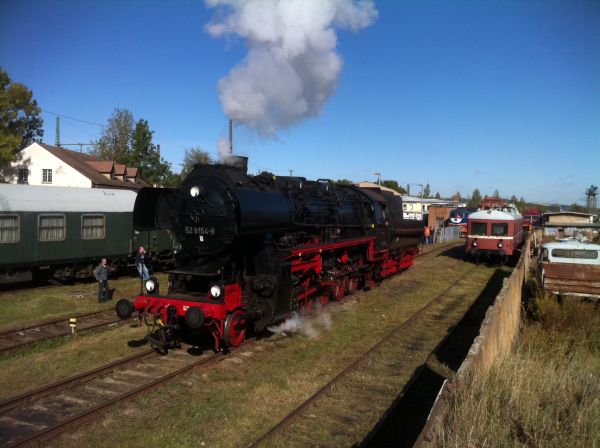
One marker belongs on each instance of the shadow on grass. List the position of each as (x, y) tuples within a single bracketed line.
[(406, 417)]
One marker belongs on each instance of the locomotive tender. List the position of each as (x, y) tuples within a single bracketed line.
[(256, 248)]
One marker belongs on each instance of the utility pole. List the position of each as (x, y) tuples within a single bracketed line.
[(291, 172), (378, 178)]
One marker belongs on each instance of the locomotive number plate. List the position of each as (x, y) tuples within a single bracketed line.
[(190, 230)]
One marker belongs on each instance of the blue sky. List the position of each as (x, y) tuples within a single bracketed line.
[(472, 94)]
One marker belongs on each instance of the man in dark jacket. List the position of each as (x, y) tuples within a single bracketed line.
[(101, 274), (140, 264)]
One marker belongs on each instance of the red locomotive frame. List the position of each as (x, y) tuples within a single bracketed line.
[(226, 319)]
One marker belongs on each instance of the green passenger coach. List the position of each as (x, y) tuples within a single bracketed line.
[(63, 232)]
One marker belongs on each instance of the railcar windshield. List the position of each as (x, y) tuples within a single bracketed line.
[(479, 228), (499, 229)]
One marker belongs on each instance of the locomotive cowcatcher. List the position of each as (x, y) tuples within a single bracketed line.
[(256, 248)]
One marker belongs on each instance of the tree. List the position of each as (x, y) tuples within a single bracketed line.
[(575, 207), (475, 199), (497, 194), (427, 191), (393, 184), (344, 182), (457, 197), (130, 143), (437, 195), (144, 155), (193, 156), (115, 142), (20, 121)]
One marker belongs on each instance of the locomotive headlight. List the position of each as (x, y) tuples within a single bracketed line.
[(500, 244), (215, 291), (150, 285), (475, 242), (195, 191)]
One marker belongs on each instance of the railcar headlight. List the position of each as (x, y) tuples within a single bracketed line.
[(475, 242), (150, 285), (195, 191), (215, 291), (500, 244)]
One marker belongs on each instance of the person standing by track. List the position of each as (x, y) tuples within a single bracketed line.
[(101, 274), (427, 234), (140, 264)]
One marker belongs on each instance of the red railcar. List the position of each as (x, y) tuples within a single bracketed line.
[(496, 229)]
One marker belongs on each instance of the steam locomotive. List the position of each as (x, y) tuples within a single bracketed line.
[(256, 248)]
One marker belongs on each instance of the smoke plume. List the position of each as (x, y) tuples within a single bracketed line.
[(291, 67), (297, 323)]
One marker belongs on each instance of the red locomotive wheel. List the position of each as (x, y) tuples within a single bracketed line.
[(235, 328)]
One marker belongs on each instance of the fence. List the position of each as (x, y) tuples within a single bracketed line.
[(445, 234), (498, 331)]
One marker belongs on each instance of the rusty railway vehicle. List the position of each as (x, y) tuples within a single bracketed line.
[(495, 230), (570, 268), (257, 248)]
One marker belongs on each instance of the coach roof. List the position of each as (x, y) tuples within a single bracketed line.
[(30, 198)]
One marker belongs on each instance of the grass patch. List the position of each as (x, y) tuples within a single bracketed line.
[(51, 361), (23, 307), (237, 400), (546, 394)]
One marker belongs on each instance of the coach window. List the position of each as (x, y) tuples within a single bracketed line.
[(9, 228), (479, 228), (92, 227), (499, 229), (51, 228)]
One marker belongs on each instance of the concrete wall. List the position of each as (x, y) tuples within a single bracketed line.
[(498, 331)]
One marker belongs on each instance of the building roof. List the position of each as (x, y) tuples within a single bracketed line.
[(86, 165), (35, 198), (104, 166), (131, 172), (120, 169), (381, 187)]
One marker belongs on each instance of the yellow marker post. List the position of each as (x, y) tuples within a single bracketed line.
[(73, 324)]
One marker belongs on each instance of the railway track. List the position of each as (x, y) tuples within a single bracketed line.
[(14, 339), (42, 414), (370, 383)]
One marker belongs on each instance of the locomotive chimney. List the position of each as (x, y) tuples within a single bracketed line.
[(231, 137), (237, 162)]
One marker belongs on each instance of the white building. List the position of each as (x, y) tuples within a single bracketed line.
[(42, 164)]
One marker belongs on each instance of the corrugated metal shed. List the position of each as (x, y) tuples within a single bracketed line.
[(31, 198)]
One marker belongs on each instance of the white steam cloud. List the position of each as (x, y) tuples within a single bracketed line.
[(297, 323), (291, 67)]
